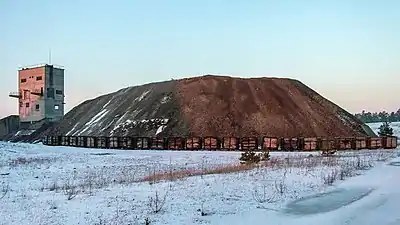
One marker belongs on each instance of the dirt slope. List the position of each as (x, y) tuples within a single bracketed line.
[(261, 106), (211, 105)]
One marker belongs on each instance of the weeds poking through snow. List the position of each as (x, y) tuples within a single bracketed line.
[(53, 186), (203, 211), (331, 177), (153, 175), (120, 215), (147, 221), (127, 176), (26, 161), (69, 188), (156, 203), (101, 222), (52, 203)]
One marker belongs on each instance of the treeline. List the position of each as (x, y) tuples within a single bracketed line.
[(368, 117)]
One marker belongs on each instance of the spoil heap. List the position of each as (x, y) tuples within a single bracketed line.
[(212, 106)]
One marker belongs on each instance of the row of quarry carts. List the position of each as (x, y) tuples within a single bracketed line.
[(225, 143)]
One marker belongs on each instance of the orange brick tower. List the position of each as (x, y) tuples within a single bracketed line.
[(40, 93)]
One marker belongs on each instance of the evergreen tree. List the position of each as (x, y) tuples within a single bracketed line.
[(385, 129)]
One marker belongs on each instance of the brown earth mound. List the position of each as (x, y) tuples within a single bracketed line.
[(211, 105), (215, 105)]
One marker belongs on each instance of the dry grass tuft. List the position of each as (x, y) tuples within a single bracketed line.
[(174, 175)]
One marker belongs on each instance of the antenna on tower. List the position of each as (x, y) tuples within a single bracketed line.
[(50, 56)]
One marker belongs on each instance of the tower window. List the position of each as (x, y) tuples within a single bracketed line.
[(37, 107), (50, 92), (39, 78), (23, 80), (27, 105), (59, 92)]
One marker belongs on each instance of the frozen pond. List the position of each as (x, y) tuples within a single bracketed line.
[(326, 202), (394, 164)]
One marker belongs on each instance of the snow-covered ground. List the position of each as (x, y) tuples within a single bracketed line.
[(60, 185)]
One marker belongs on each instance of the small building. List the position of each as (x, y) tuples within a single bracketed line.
[(8, 125), (40, 94)]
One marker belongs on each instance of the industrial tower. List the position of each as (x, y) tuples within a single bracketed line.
[(40, 94)]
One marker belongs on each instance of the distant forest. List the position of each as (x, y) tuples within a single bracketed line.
[(368, 117)]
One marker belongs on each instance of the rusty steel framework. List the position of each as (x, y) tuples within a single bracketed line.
[(224, 143)]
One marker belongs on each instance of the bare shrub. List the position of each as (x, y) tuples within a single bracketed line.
[(70, 190), (362, 164), (156, 203), (152, 177), (4, 190), (263, 196), (52, 203), (89, 182), (101, 178), (330, 161), (69, 187), (310, 163), (203, 167), (345, 171), (331, 177), (383, 156), (280, 186)]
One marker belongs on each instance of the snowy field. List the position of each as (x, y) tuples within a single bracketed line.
[(60, 185)]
